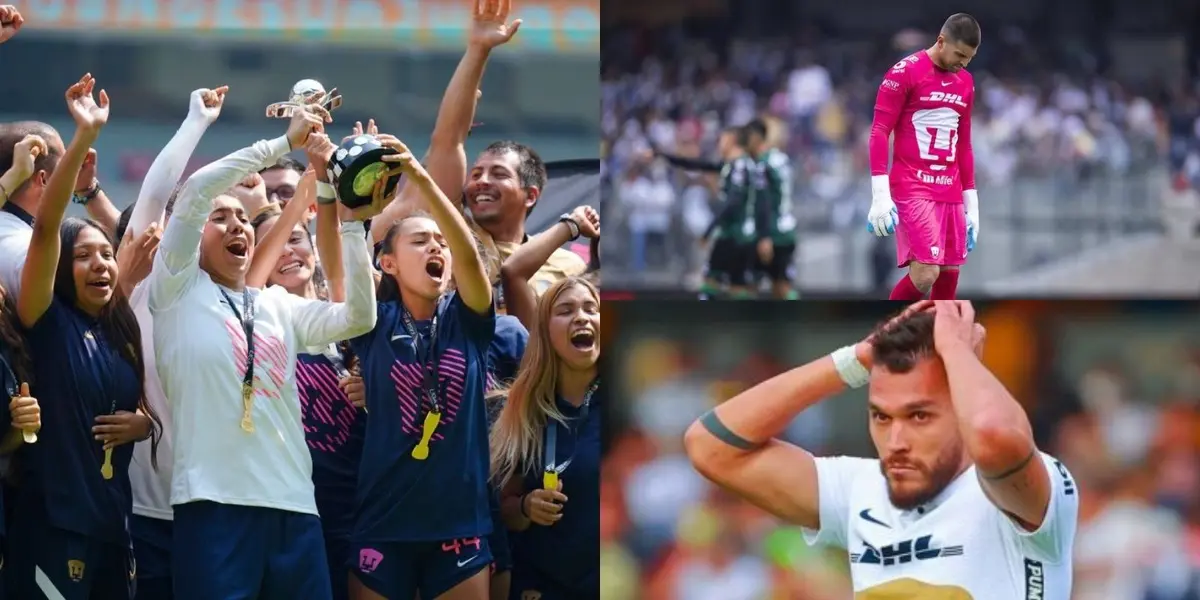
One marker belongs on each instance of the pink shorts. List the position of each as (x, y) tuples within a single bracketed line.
[(929, 232)]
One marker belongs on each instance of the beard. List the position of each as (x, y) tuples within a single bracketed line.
[(936, 478)]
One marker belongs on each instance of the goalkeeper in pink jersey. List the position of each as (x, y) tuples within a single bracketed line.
[(928, 199)]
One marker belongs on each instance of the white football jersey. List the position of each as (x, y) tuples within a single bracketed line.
[(957, 547)]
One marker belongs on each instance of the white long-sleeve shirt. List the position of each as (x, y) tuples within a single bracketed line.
[(152, 488), (200, 349)]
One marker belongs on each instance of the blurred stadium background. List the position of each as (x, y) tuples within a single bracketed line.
[(1113, 390), (391, 59), (1086, 136)]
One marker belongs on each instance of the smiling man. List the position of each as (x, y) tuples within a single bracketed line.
[(502, 188), (960, 503)]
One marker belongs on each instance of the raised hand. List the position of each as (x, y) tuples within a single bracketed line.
[(251, 191), (358, 130), (305, 120), (25, 153), (136, 256), (955, 329), (318, 149), (89, 114), (207, 103), (403, 160), (11, 22), (490, 26), (588, 220)]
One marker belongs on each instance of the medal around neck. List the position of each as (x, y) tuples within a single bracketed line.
[(305, 92), (421, 450), (356, 166)]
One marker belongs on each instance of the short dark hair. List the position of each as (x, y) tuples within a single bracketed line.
[(530, 167), (12, 133), (286, 162), (962, 28), (757, 126), (899, 345)]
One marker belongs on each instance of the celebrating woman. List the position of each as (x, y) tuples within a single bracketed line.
[(547, 442), (333, 426), (246, 523), (74, 505), (422, 495)]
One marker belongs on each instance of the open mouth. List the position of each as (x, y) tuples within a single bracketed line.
[(435, 268), (100, 284), (238, 248), (487, 197), (583, 339), (290, 267)]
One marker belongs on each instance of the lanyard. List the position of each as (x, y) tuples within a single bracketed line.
[(334, 357), (246, 318), (427, 355), (106, 468), (553, 467)]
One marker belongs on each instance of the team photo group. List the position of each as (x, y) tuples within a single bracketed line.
[(315, 368)]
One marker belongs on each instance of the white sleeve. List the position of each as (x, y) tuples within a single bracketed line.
[(836, 477), (319, 323), (1053, 541), (164, 173), (177, 262), (13, 250)]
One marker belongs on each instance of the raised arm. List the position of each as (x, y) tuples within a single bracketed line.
[(317, 322), (163, 175), (734, 445), (329, 232), (446, 160), (522, 264), (41, 263), (995, 429), (95, 202), (467, 268), (179, 253), (266, 252)]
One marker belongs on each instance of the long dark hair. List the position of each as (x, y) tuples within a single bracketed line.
[(12, 343), (117, 321)]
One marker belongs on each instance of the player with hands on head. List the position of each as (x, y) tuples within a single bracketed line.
[(928, 197), (243, 493), (76, 500), (425, 371), (957, 462)]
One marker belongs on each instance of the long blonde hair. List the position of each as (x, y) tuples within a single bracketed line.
[(516, 438)]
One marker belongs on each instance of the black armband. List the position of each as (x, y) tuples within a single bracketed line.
[(713, 424), (1013, 471)]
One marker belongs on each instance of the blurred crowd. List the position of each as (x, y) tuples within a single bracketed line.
[(1124, 418), (1043, 111)]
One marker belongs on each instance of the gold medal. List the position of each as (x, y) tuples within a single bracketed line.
[(106, 469), (421, 450), (550, 480), (247, 407)]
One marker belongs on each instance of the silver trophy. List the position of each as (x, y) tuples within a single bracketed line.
[(305, 92)]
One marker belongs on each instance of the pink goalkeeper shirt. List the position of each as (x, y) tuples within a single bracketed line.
[(929, 109)]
